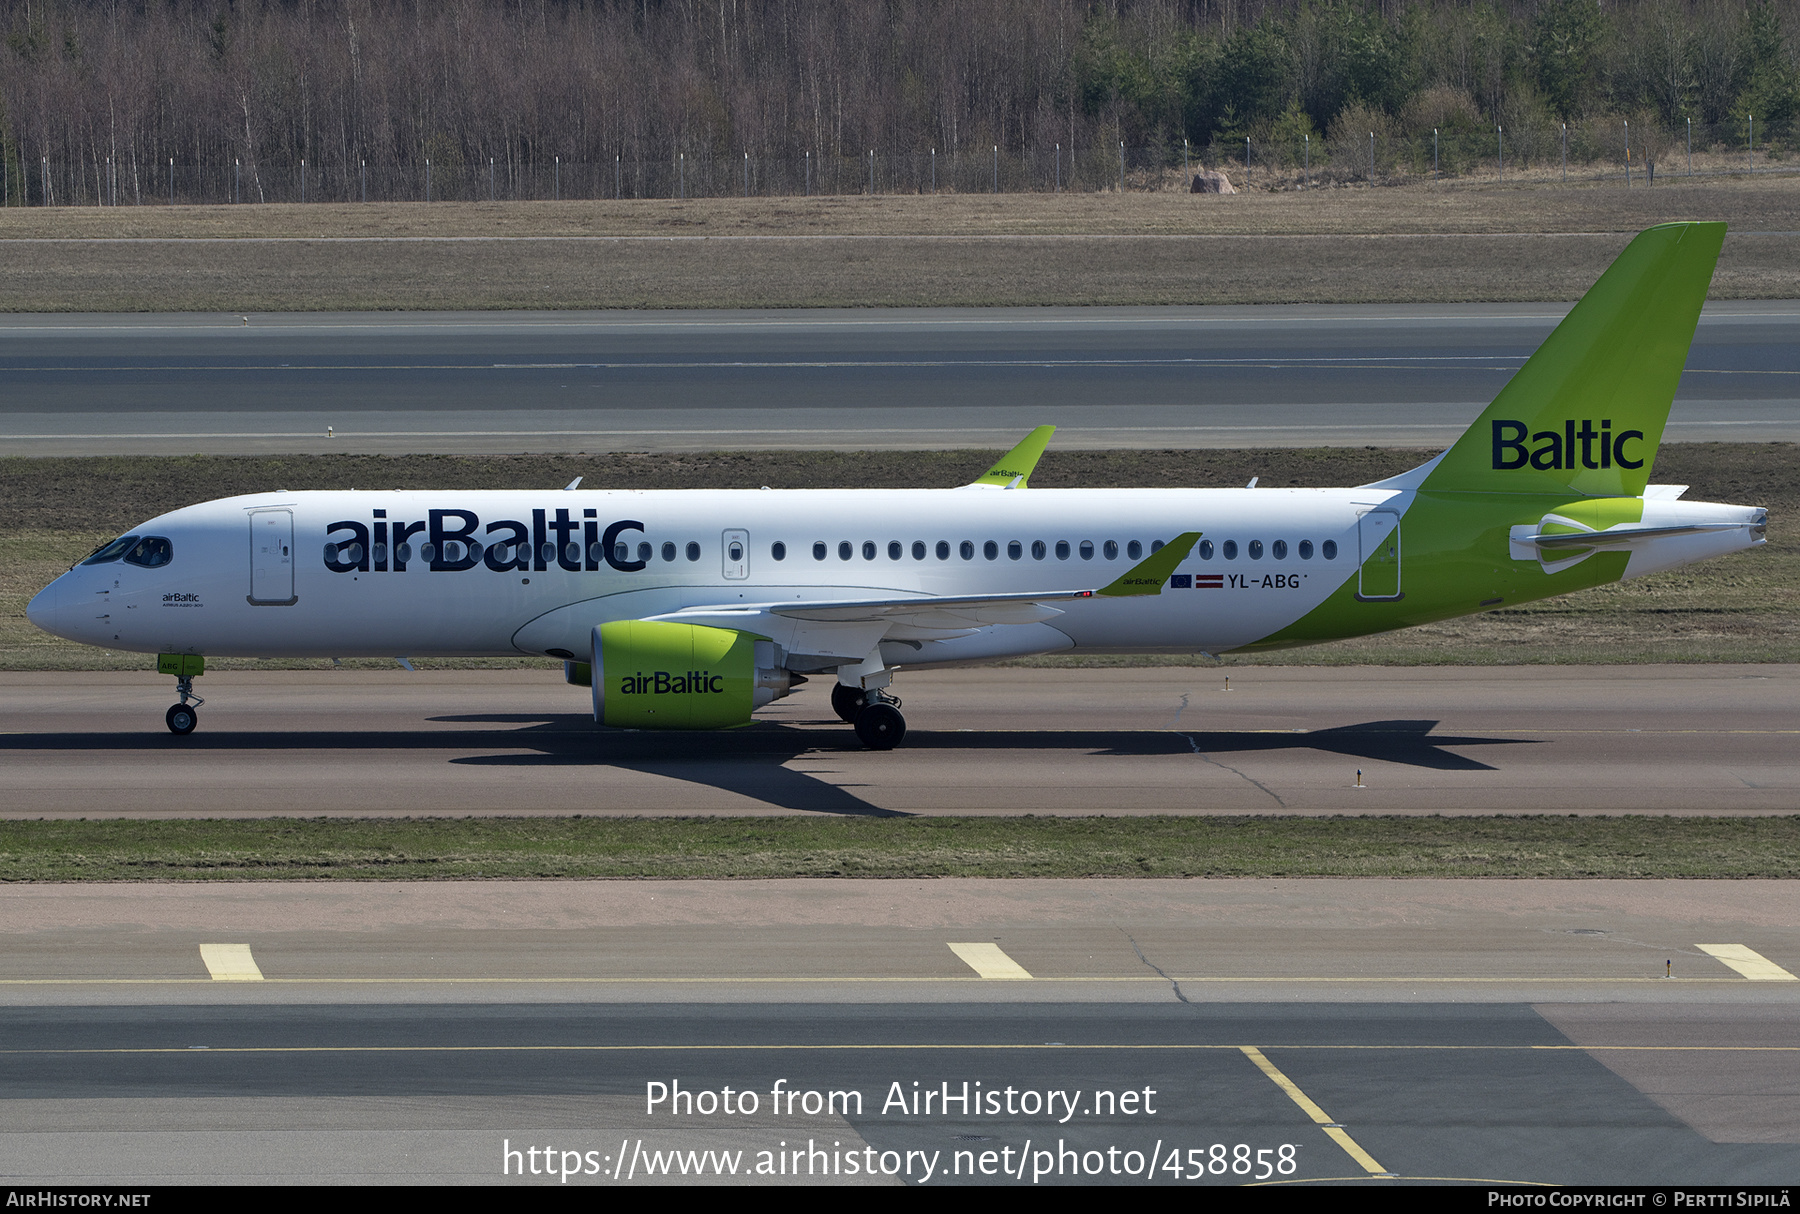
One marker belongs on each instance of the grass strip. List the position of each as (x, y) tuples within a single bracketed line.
[(409, 848), (1426, 241)]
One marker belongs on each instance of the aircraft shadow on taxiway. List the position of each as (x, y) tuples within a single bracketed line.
[(752, 761)]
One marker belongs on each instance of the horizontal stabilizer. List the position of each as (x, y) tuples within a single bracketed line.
[(1526, 535)]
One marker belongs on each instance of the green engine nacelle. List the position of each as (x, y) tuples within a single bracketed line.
[(649, 675)]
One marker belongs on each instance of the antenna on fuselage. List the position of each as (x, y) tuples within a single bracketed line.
[(571, 484)]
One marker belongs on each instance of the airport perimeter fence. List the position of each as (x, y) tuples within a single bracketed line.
[(1632, 154)]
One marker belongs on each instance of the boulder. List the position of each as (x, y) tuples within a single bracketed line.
[(1210, 181)]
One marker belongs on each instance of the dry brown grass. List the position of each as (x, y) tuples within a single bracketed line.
[(1417, 243), (1763, 204)]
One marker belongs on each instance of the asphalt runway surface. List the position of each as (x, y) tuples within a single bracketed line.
[(1231, 1031), (1586, 739), (899, 378)]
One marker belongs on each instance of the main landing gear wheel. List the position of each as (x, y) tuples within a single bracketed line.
[(181, 718), (880, 726), (846, 702)]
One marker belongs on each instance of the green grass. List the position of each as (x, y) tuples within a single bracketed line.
[(528, 848)]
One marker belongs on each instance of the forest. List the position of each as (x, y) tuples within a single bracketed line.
[(138, 101)]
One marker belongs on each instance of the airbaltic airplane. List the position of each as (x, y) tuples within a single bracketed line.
[(691, 609)]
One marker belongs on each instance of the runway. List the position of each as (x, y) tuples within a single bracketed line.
[(1411, 375), (1587, 739), (1233, 1031)]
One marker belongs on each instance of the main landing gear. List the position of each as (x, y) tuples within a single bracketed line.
[(874, 714), (182, 717)]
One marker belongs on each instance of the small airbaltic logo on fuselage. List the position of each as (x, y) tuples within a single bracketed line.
[(1560, 449)]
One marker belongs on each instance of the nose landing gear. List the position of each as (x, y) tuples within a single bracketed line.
[(182, 717)]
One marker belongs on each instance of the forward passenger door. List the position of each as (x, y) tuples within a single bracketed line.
[(272, 558)]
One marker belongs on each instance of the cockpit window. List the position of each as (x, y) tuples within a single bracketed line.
[(152, 552), (112, 551)]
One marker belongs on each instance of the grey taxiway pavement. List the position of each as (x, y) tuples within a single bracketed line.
[(1668, 739), (1229, 1031), (1283, 1031), (1110, 377)]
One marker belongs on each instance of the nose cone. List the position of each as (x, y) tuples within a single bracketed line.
[(46, 609)]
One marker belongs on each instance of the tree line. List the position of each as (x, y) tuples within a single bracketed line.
[(116, 90)]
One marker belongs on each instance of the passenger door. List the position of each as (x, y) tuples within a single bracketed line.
[(272, 558), (1378, 533)]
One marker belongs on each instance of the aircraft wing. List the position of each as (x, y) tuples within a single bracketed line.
[(1148, 576), (951, 612), (947, 612)]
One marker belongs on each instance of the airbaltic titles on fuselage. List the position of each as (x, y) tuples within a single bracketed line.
[(449, 541)]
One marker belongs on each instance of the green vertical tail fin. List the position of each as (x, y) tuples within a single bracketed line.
[(1587, 411)]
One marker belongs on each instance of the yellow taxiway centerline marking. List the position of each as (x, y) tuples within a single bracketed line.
[(990, 961), (1748, 962), (230, 963), (1332, 1129)]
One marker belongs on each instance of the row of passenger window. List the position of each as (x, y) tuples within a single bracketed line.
[(1278, 549), (156, 552), (456, 550), (1015, 550)]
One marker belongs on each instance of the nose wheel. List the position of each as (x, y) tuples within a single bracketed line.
[(181, 719)]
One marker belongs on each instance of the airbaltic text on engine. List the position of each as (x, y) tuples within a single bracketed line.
[(662, 683)]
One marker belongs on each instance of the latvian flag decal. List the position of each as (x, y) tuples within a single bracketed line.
[(1209, 581)]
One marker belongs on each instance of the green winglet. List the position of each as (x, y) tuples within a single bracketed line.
[(1149, 575), (1019, 463)]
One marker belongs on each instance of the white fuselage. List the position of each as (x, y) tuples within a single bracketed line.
[(249, 576)]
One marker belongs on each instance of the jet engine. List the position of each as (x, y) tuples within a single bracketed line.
[(649, 675)]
